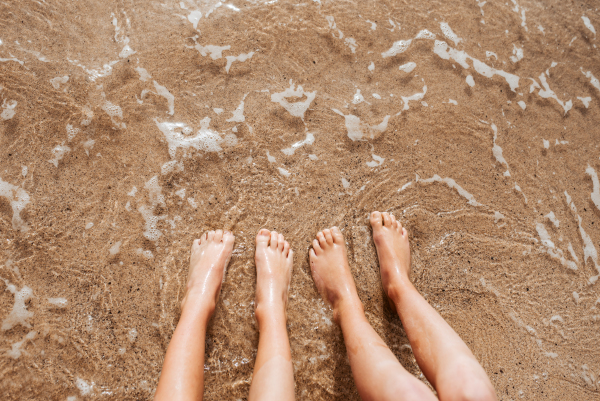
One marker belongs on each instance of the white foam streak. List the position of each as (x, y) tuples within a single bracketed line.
[(588, 24), (595, 195), (549, 93), (446, 52), (452, 184), (593, 80), (408, 67), (397, 48), (415, 97), (241, 58), (448, 33), (216, 52), (589, 250), (164, 92), (497, 150), (310, 139)]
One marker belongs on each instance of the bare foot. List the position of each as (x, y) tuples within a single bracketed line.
[(274, 261), (208, 262), (393, 249), (330, 270)]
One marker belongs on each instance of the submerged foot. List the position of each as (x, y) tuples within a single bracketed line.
[(330, 270), (274, 261), (393, 250), (209, 259)]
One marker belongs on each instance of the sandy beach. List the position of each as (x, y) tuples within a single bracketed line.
[(129, 128)]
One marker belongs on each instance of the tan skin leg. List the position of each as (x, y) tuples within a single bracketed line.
[(377, 373), (182, 376), (443, 357), (273, 377)]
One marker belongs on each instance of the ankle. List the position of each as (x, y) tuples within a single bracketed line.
[(346, 307), (397, 289), (267, 312), (195, 303)]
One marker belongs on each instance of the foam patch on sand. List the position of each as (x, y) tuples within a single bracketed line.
[(297, 109), (18, 199), (59, 80), (238, 114), (8, 109), (19, 315), (114, 112), (58, 302), (16, 351), (58, 153), (358, 130), (415, 97), (179, 135)]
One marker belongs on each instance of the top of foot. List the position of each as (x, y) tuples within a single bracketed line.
[(393, 249), (330, 270), (209, 258), (274, 261)]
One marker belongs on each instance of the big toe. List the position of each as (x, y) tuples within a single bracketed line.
[(338, 237), (262, 238), (376, 220), (218, 235)]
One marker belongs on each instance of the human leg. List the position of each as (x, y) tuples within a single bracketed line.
[(273, 377), (377, 373), (182, 376), (443, 357)]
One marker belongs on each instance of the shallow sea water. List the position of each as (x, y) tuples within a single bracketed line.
[(128, 128)]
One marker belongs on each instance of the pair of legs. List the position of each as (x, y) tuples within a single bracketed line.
[(443, 357)]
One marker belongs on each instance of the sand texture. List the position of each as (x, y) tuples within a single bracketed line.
[(128, 128)]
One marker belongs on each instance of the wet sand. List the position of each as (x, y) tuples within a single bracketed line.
[(127, 130)]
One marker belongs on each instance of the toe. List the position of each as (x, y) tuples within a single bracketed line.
[(228, 237), (262, 238), (404, 232), (204, 238), (338, 237), (286, 248), (210, 235), (290, 256), (218, 235), (387, 220), (376, 220), (393, 218), (274, 236), (280, 242), (311, 253), (328, 236), (316, 247), (322, 240)]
